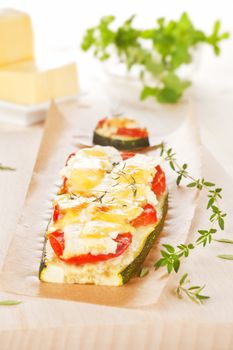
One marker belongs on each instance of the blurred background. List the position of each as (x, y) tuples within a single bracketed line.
[(60, 25), (63, 22)]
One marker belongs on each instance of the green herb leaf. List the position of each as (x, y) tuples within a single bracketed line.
[(176, 265), (9, 302), (192, 184), (183, 279), (172, 165), (178, 180), (221, 223), (208, 184), (210, 203), (148, 91), (2, 167), (224, 240), (160, 262), (226, 256), (144, 271), (169, 248)]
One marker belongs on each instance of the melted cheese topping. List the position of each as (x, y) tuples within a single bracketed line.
[(104, 195), (76, 244), (87, 168), (111, 125)]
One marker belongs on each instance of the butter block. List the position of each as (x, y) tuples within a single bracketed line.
[(16, 37), (28, 83)]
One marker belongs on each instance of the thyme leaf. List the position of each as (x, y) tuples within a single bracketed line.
[(4, 167), (144, 272), (9, 302), (226, 256)]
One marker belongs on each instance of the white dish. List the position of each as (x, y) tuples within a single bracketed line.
[(27, 114)]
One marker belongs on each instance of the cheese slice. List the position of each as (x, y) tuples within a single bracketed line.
[(87, 169), (16, 37), (27, 83), (75, 244)]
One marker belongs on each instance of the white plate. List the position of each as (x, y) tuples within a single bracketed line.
[(27, 114)]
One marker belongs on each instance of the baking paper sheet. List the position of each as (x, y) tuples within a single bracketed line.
[(20, 271)]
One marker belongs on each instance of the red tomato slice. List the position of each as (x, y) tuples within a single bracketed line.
[(123, 240), (147, 217), (101, 122), (64, 189), (133, 132), (56, 213), (159, 182), (57, 242), (71, 155), (127, 155)]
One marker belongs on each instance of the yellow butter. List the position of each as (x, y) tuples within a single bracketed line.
[(26, 83), (16, 37)]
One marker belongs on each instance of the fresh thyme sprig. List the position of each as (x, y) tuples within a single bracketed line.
[(128, 177), (4, 167), (171, 256), (192, 292)]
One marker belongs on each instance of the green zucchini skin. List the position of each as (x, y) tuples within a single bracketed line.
[(120, 144), (42, 262), (134, 268)]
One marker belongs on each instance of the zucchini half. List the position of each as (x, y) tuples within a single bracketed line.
[(119, 143), (54, 270)]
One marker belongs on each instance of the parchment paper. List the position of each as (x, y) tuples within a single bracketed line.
[(20, 271)]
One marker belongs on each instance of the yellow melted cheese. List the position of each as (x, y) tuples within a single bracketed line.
[(110, 193), (111, 125)]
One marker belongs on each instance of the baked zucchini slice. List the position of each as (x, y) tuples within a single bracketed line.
[(107, 218), (121, 144), (120, 132), (58, 272)]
